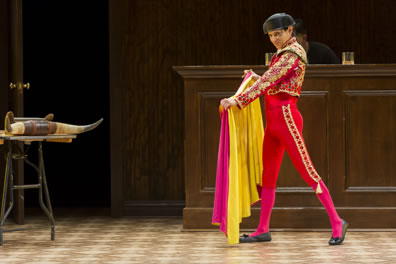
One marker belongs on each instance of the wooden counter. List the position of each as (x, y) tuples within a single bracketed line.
[(349, 116)]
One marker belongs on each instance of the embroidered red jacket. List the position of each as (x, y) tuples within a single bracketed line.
[(285, 74)]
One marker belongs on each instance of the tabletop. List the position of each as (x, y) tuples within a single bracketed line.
[(50, 138)]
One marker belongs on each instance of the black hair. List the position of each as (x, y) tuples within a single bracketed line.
[(299, 27), (293, 33)]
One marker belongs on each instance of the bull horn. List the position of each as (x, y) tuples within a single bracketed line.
[(11, 127), (62, 128), (8, 121), (49, 117)]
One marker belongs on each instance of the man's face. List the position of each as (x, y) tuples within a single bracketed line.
[(279, 37)]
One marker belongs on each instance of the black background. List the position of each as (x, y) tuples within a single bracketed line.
[(66, 63)]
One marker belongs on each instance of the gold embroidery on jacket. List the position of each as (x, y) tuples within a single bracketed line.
[(287, 58), (299, 143), (276, 72), (292, 86), (295, 47), (285, 63)]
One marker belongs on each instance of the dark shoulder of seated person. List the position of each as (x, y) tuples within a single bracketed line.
[(319, 53)]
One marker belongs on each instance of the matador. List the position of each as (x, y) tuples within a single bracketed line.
[(281, 85)]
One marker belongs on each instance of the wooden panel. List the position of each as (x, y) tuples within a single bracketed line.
[(370, 119), (199, 169), (315, 136), (154, 208), (211, 33), (337, 106), (153, 104), (208, 108)]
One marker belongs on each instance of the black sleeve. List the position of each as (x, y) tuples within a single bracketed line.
[(332, 57)]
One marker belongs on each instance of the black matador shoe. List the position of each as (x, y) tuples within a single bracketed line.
[(338, 240), (259, 238)]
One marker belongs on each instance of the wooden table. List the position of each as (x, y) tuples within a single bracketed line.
[(9, 186)]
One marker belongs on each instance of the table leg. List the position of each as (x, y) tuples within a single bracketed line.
[(4, 201), (8, 176), (43, 184)]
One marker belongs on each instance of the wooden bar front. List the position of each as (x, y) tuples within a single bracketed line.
[(349, 116)]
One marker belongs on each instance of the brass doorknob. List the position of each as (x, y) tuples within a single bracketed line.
[(13, 85)]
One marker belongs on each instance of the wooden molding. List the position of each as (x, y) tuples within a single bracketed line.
[(154, 208), (313, 71)]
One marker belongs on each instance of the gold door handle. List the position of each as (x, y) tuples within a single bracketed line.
[(13, 85)]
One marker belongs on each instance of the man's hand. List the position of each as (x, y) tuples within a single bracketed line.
[(228, 102), (255, 76)]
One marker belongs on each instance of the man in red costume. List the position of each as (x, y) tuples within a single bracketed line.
[(281, 85)]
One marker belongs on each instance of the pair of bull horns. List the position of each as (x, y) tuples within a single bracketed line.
[(43, 126)]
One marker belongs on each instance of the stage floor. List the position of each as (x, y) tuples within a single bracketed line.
[(138, 240)]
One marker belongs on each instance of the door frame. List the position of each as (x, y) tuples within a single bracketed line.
[(16, 100)]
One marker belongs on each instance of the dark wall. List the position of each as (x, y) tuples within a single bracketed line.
[(66, 63), (161, 34)]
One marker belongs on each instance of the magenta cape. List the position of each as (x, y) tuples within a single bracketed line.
[(239, 165), (221, 194)]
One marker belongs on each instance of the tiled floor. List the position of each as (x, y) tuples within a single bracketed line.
[(131, 240)]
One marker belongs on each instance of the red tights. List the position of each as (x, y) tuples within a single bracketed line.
[(284, 132)]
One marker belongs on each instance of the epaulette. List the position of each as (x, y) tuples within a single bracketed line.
[(297, 49)]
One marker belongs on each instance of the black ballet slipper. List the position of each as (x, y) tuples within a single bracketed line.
[(338, 240), (259, 238)]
